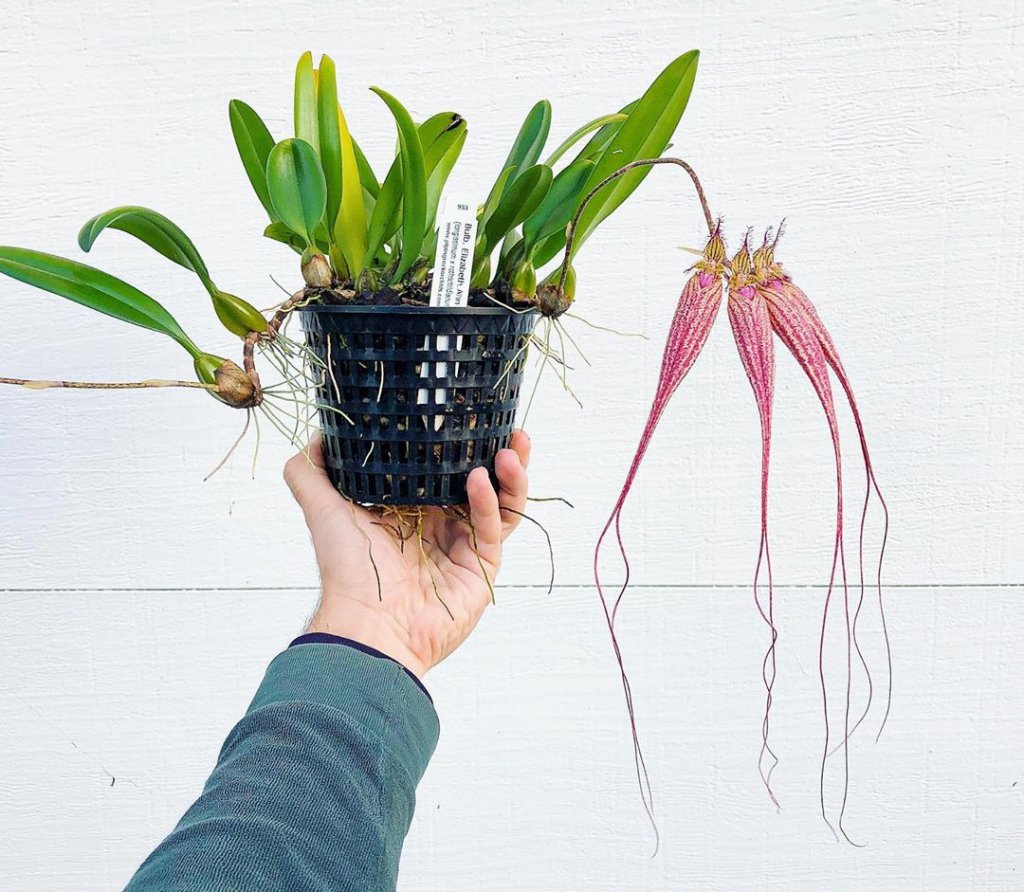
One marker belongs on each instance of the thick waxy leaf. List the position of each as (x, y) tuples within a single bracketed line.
[(521, 198), (525, 151), (385, 219), (435, 186), (156, 231), (510, 256), (307, 127), (366, 175), (321, 240), (599, 141), (329, 132), (558, 206), (346, 217), (94, 289), (435, 126), (436, 147), (437, 136), (577, 135), (414, 183), (254, 142), (440, 170), (281, 233), (512, 242), (238, 315), (546, 250), (497, 190), (298, 188), (531, 138), (644, 134)]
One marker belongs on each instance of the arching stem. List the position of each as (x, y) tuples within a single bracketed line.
[(272, 332), (98, 385), (614, 175)]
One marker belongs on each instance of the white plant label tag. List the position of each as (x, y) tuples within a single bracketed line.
[(453, 261), (453, 270)]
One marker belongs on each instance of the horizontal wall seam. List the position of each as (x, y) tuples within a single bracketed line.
[(540, 585)]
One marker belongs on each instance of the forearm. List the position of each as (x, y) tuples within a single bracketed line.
[(315, 786)]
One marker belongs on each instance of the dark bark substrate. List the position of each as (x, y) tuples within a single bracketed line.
[(410, 295)]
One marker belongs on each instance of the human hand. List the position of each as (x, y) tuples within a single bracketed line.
[(428, 591)]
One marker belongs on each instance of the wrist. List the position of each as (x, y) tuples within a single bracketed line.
[(369, 625)]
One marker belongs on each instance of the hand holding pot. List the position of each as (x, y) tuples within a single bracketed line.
[(429, 598)]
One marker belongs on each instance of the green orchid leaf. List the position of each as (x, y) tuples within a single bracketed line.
[(306, 120), (497, 190), (440, 170), (512, 242), (414, 184), (298, 188), (281, 233), (346, 215), (599, 141), (94, 289), (437, 135), (156, 231), (329, 133), (437, 146), (558, 206), (442, 137), (522, 197), (161, 234), (366, 175), (578, 134), (436, 126), (644, 134), (530, 139), (321, 240), (526, 149), (368, 180), (439, 157), (385, 219), (547, 249), (510, 256), (254, 142)]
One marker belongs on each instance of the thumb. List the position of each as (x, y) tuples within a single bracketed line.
[(306, 476)]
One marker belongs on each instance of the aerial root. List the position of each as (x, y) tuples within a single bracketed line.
[(547, 536), (564, 501), (614, 331), (234, 446), (461, 515), (369, 548), (427, 561)]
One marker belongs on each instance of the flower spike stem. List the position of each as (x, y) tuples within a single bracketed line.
[(96, 385), (614, 175)]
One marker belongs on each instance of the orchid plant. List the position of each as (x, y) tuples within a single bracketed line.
[(763, 302), (363, 238)]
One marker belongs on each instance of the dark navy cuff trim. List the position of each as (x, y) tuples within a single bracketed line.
[(327, 638)]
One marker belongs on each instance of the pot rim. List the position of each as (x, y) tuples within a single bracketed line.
[(405, 309)]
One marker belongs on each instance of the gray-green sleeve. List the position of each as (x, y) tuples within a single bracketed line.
[(314, 788)]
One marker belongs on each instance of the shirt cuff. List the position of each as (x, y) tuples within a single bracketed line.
[(327, 638)]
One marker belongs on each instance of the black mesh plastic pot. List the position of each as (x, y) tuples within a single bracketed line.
[(417, 428)]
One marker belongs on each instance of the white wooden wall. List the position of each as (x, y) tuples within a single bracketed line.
[(140, 605)]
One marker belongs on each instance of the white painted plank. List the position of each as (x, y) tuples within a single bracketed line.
[(884, 134), (895, 158), (143, 687)]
